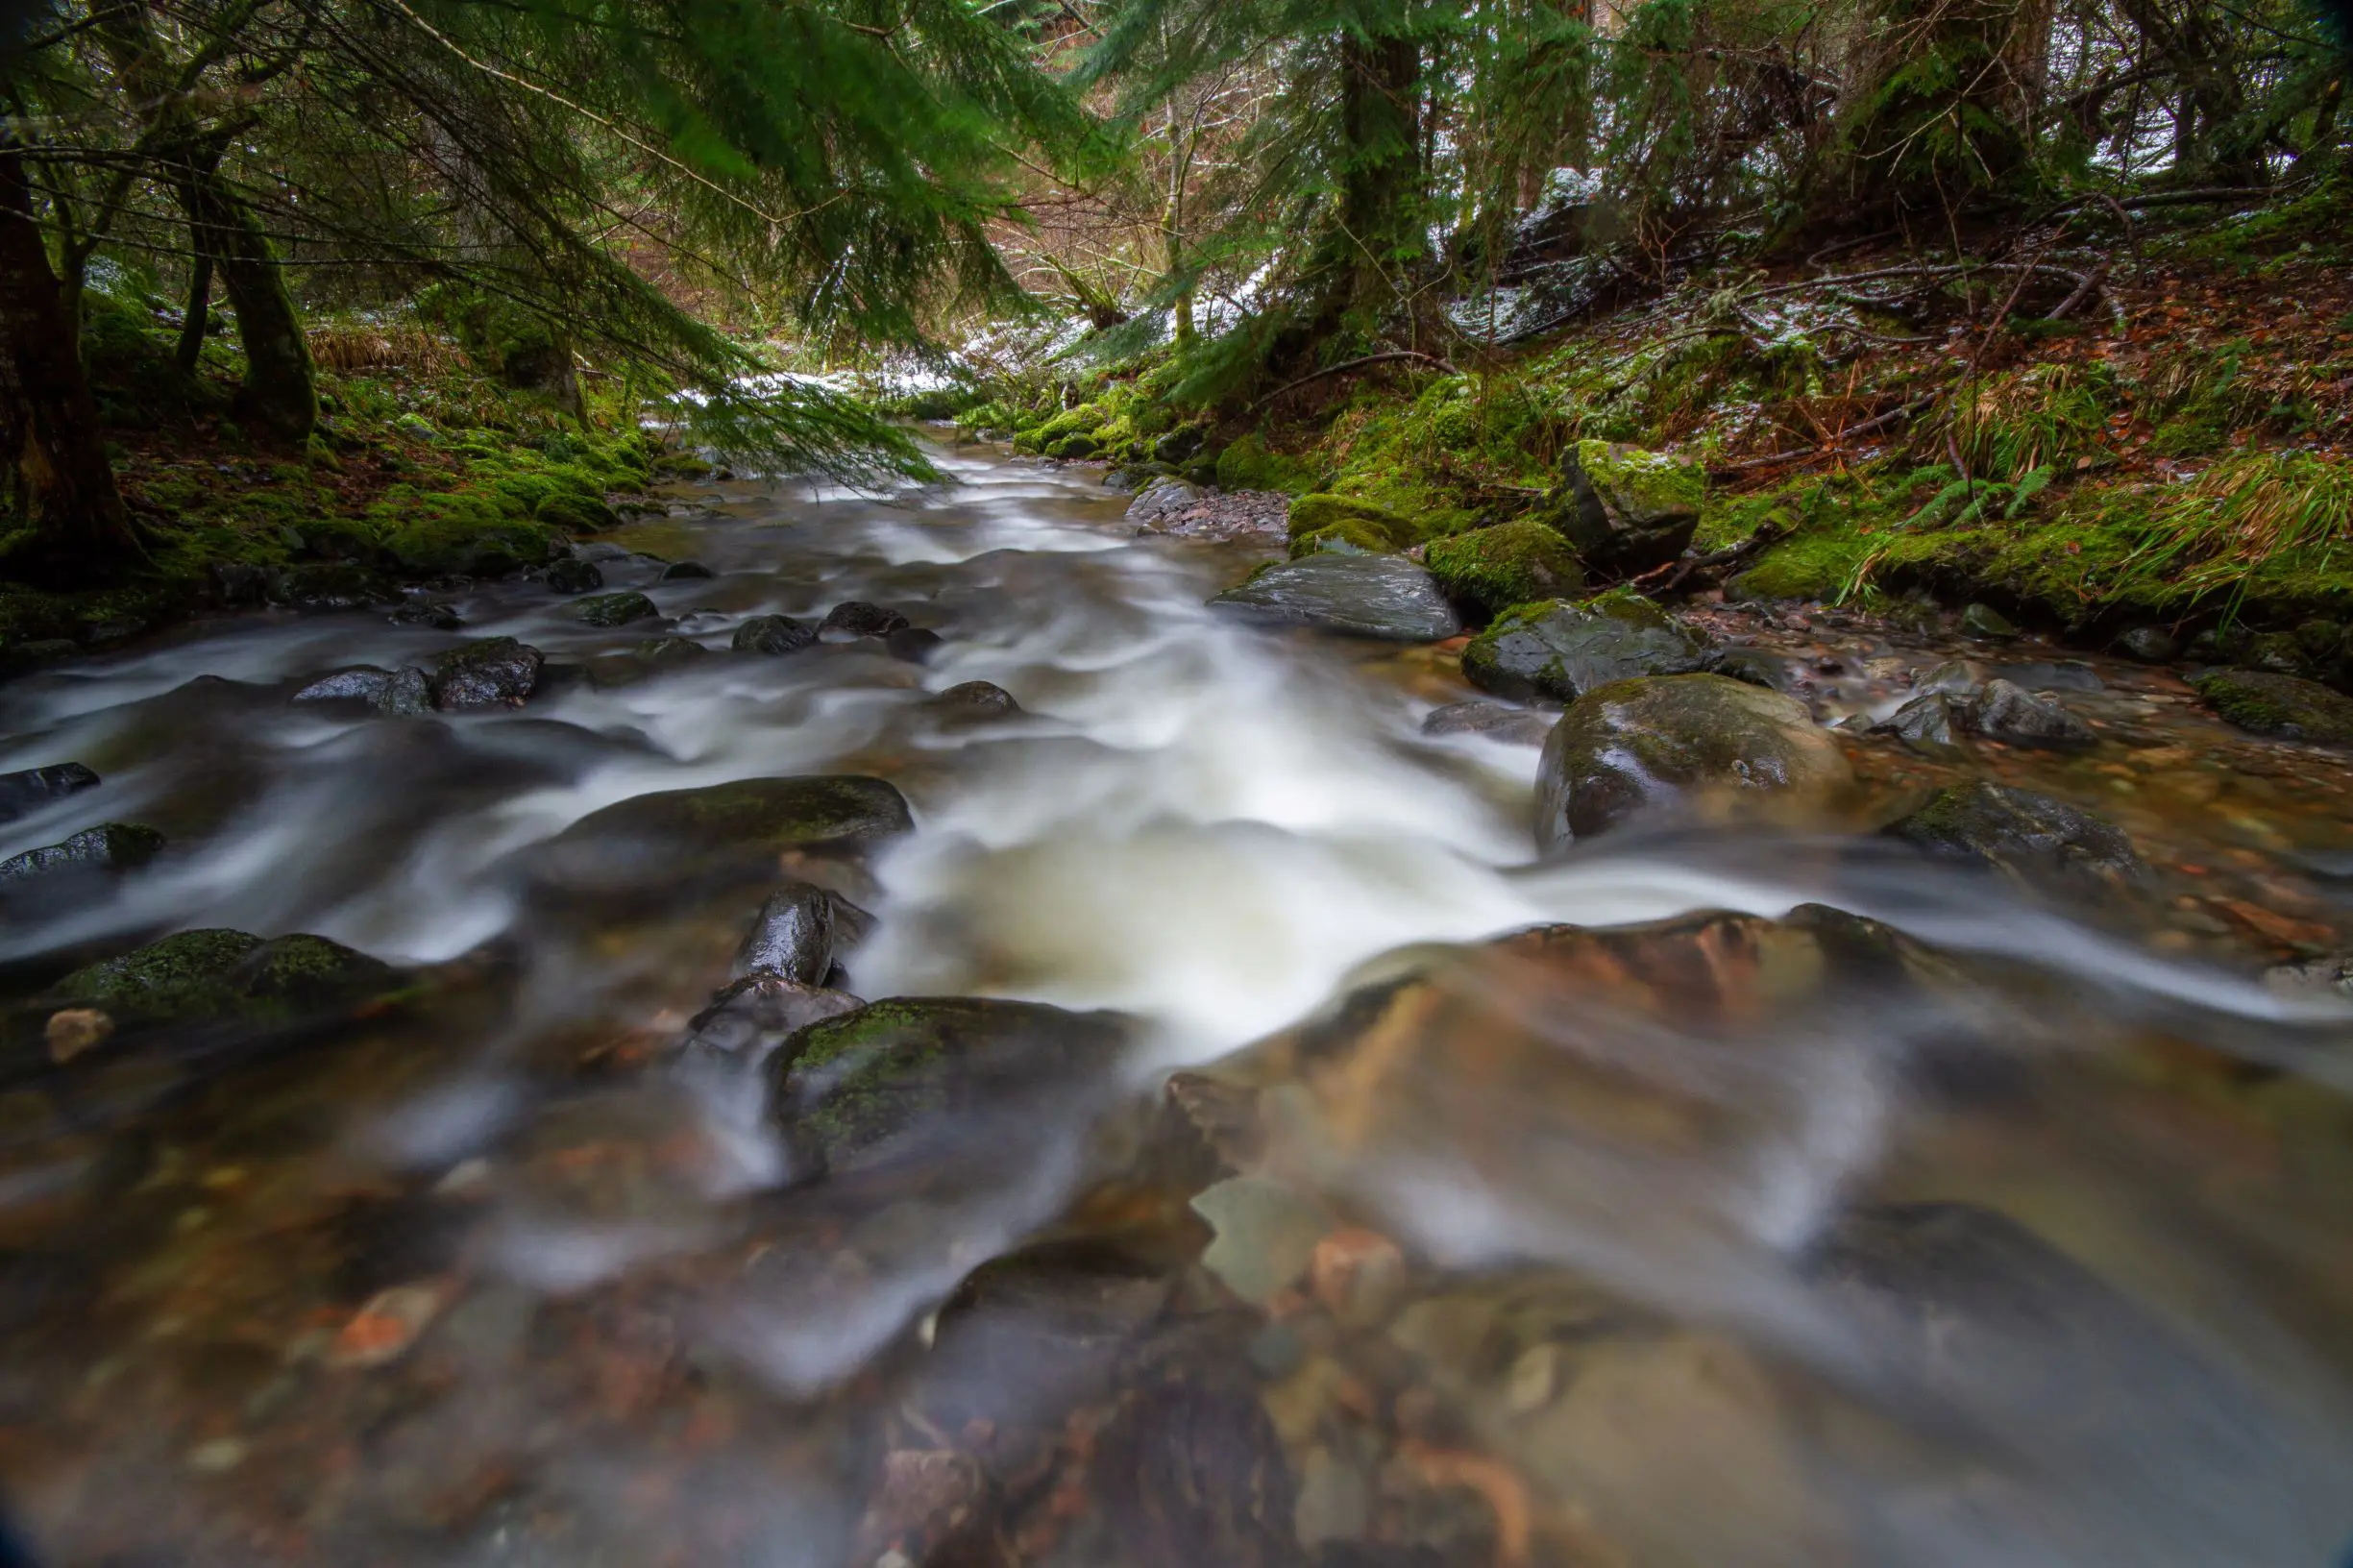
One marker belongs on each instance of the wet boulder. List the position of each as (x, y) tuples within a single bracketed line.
[(420, 612), (792, 938), (855, 619), (2023, 833), (330, 585), (1929, 726), (668, 653), (2283, 705), (615, 609), (1345, 523), (29, 789), (1515, 726), (1487, 570), (574, 576), (764, 1008), (2150, 645), (1163, 499), (108, 847), (1985, 620), (214, 976), (684, 572), (1624, 508), (1695, 745), (1562, 651), (772, 634), (972, 702), (965, 1070), (2006, 711), (495, 673), (403, 693), (1384, 597), (678, 842)]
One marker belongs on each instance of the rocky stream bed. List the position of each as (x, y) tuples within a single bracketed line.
[(1004, 1028)]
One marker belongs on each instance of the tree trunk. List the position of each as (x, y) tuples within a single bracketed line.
[(278, 396), (1381, 180), (67, 526), (198, 315)]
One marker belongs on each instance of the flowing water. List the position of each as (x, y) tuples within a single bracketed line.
[(2004, 1232)]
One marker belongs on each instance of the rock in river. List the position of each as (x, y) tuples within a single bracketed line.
[(1562, 651), (574, 576), (110, 846), (1927, 724), (856, 619), (1516, 727), (196, 976), (2021, 832), (1679, 743), (849, 1084), (793, 937), (615, 609), (403, 693), (2283, 705), (34, 788), (772, 634), (681, 842), (972, 702), (495, 673), (1386, 596), (2006, 711)]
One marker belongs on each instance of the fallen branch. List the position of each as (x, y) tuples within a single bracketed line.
[(1353, 364), (1875, 421), (1767, 534)]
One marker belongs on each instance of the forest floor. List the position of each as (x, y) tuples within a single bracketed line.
[(2096, 425)]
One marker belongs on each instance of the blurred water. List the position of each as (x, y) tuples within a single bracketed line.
[(1216, 832)]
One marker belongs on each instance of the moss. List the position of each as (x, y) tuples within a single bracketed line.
[(462, 532), (576, 514), (1350, 535), (1370, 527), (2270, 703), (1248, 464), (1489, 570), (614, 609), (181, 976)]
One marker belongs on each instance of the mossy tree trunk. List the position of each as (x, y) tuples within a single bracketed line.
[(1381, 236), (194, 321), (279, 395), (67, 523)]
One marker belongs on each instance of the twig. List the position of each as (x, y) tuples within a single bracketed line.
[(1875, 421), (2091, 281), (1353, 364), (1767, 533)]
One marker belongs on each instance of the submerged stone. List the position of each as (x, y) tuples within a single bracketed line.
[(684, 570), (574, 576), (2023, 832), (2150, 645), (495, 673), (1487, 570), (2283, 705), (418, 612), (1516, 727), (1695, 743), (1624, 508), (615, 609), (913, 643), (2006, 711), (27, 790), (1562, 651), (847, 1085), (1985, 620), (772, 634), (668, 653), (110, 846), (1384, 597), (680, 841)]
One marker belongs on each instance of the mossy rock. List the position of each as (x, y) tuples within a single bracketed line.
[(1489, 570), (1384, 597), (681, 842), (576, 513), (615, 609), (2026, 834), (1685, 746), (1352, 536), (1248, 464), (2275, 705), (1624, 508), (950, 1068), (1077, 443), (465, 536), (202, 975), (494, 673), (1361, 522), (110, 846), (1561, 650)]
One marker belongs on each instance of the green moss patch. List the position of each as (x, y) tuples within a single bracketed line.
[(1489, 570)]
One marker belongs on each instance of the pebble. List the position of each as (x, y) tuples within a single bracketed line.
[(218, 1456), (381, 1332)]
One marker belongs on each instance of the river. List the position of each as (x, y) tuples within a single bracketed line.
[(1994, 1228)]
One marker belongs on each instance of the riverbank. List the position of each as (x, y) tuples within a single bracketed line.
[(2109, 425), (424, 475)]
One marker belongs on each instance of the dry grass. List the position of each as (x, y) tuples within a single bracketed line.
[(346, 349)]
